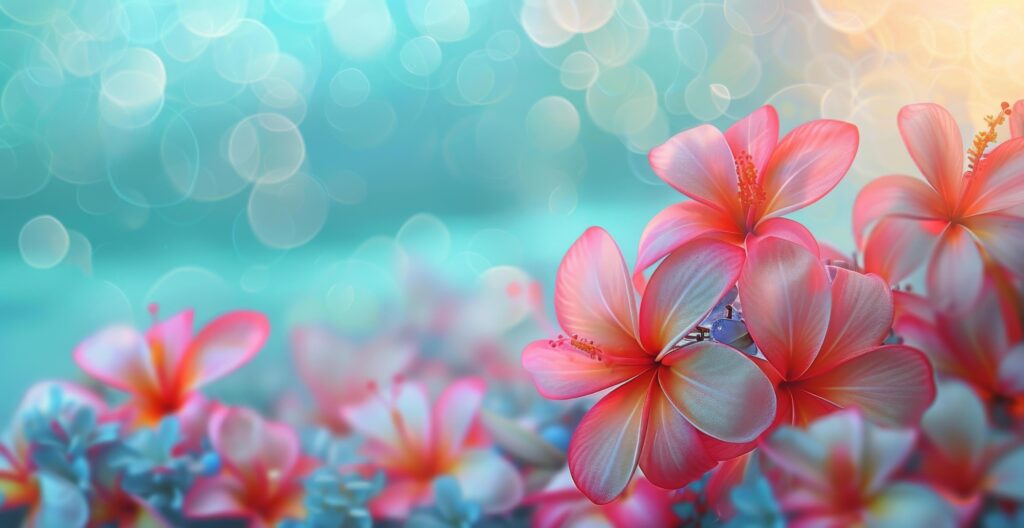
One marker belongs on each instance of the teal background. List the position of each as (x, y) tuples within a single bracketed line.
[(502, 199)]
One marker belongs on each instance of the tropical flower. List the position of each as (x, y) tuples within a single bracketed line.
[(965, 456), (561, 505), (743, 181), (324, 360), (670, 396), (262, 471), (839, 472), (982, 347), (45, 454), (822, 339), (414, 444), (961, 219), (163, 368)]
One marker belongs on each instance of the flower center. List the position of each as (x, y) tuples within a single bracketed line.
[(750, 191), (984, 138), (587, 346)]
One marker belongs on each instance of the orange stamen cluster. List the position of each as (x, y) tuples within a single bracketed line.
[(985, 138), (582, 344), (750, 190)]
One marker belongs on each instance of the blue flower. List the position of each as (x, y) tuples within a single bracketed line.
[(450, 510), (755, 502)]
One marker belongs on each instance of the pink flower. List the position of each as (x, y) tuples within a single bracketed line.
[(261, 475), (163, 368), (965, 456), (341, 372), (561, 505), (839, 472), (742, 182), (413, 444), (961, 219), (668, 395), (982, 347), (822, 338)]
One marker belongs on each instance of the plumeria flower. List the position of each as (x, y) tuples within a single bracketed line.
[(965, 456), (669, 397), (561, 505), (822, 339), (163, 368), (262, 471), (839, 472), (960, 218), (325, 360), (982, 347), (743, 181), (414, 443), (45, 478)]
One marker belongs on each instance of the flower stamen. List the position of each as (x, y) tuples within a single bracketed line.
[(984, 138), (750, 191)]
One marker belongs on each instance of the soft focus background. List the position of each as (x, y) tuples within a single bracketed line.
[(330, 161)]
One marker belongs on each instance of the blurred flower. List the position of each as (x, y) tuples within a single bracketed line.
[(163, 368), (413, 444), (46, 460), (823, 339), (155, 470), (743, 181), (261, 471), (839, 472), (336, 500), (964, 456), (961, 219), (754, 502), (982, 347), (670, 397), (561, 505), (339, 371), (450, 509)]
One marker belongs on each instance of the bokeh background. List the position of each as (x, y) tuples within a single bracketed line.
[(328, 161)]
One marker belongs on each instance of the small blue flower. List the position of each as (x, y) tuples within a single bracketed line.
[(334, 500), (755, 502), (450, 510)]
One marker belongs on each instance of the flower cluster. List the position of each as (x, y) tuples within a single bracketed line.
[(740, 373), (768, 379)]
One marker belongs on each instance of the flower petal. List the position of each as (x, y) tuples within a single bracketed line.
[(957, 427), (786, 298), (594, 296), (933, 139), (237, 435), (324, 361), (1011, 372), (1006, 478), (909, 504), (997, 184), (225, 344), (457, 410), (646, 505), (673, 454), (119, 357), (674, 226), (489, 480), (807, 164), (955, 270), (168, 340), (560, 371), (719, 390), (756, 135), (61, 502), (861, 317), (215, 498), (1017, 119), (885, 452), (378, 420), (400, 496), (1003, 237), (684, 289), (897, 246), (893, 196), (787, 229), (605, 448), (698, 163), (892, 385)]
